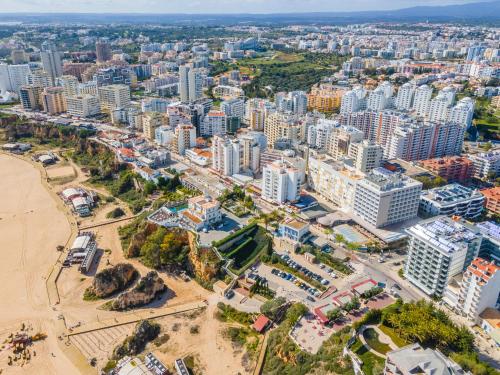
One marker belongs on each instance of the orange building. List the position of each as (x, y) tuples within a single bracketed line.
[(451, 168), (492, 199), (325, 98)]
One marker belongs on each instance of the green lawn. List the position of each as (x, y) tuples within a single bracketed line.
[(371, 337), (371, 362), (393, 335)]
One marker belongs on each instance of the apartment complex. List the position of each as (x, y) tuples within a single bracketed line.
[(439, 249), (114, 96), (283, 126), (486, 165), (452, 200), (451, 168), (232, 156), (492, 199), (383, 198), (325, 98), (184, 138), (280, 182), (83, 105), (53, 100)]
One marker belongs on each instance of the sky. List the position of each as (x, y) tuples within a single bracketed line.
[(212, 6)]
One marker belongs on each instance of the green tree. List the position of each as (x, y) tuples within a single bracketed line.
[(334, 314)]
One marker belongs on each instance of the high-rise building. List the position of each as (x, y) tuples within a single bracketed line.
[(439, 249), (283, 126), (333, 180), (114, 96), (85, 105), (103, 51), (31, 97), (319, 134), (294, 102), (184, 138), (280, 182), (232, 156), (479, 290), (404, 98), (40, 78), (325, 98), (383, 198), (366, 155), (233, 108), (257, 111), (151, 121), (421, 102), (462, 113), (353, 100), (190, 84), (214, 123), (340, 138), (51, 60), (69, 84), (12, 77), (53, 100)]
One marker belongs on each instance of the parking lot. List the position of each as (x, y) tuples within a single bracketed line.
[(229, 223), (283, 287)]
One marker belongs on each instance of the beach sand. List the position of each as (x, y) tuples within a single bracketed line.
[(32, 225)]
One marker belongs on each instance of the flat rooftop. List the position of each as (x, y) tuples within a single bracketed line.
[(444, 233)]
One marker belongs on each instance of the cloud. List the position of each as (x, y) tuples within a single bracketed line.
[(210, 6)]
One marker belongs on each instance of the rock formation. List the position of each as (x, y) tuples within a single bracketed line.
[(143, 293)]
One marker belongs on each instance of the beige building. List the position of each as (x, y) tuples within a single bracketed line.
[(53, 100), (325, 98), (151, 121), (114, 96), (184, 138), (283, 126), (83, 105)]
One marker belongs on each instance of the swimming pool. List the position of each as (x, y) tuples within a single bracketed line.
[(177, 209), (350, 234)]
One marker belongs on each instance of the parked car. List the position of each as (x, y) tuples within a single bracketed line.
[(310, 299)]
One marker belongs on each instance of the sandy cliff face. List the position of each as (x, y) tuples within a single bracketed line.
[(144, 292)]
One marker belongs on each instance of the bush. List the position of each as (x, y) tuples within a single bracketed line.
[(271, 307), (144, 332), (116, 213)]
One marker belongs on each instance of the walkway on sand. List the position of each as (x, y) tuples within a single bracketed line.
[(262, 355), (136, 316)]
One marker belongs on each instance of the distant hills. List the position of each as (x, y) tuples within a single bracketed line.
[(481, 12)]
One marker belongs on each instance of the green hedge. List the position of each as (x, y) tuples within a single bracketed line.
[(234, 235)]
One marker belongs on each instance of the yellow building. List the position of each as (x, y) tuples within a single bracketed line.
[(325, 98)]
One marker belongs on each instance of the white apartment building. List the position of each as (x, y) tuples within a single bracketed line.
[(462, 113), (202, 211), (280, 182), (319, 134), (404, 98), (422, 100), (451, 200), (377, 101), (353, 100), (114, 96), (438, 108), (83, 105), (190, 84), (232, 156), (233, 108), (214, 123), (334, 180), (486, 165), (366, 155), (383, 198), (480, 288), (295, 102), (69, 84), (439, 249), (12, 77)]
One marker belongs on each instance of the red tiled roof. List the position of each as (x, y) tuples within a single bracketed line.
[(261, 323)]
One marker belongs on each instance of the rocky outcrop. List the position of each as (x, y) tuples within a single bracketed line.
[(112, 280), (144, 332), (144, 292), (143, 231)]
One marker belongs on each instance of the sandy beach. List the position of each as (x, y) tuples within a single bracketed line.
[(32, 225)]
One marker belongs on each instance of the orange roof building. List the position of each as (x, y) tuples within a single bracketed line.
[(492, 199)]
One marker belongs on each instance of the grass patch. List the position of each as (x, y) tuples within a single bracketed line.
[(393, 335), (244, 251), (371, 337), (372, 364), (226, 313)]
